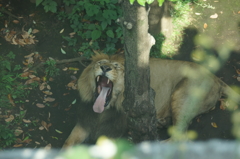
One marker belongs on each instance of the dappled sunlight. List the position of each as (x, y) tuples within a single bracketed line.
[(236, 124), (104, 148), (177, 135), (205, 56)]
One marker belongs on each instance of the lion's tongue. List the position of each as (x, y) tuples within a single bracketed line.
[(98, 106)]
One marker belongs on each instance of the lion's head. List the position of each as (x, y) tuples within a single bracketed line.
[(103, 82)]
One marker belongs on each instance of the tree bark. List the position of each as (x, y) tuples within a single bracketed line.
[(139, 97)]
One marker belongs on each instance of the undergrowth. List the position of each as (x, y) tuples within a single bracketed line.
[(93, 21), (11, 89), (9, 85), (7, 136)]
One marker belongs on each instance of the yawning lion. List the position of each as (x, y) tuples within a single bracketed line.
[(183, 91)]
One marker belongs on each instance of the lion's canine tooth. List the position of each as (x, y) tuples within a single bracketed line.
[(108, 81), (98, 78), (99, 89)]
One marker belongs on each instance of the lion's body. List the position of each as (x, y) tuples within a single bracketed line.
[(171, 80)]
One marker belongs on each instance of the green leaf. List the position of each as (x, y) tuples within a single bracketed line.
[(73, 102), (92, 26), (110, 33), (38, 2), (132, 1), (104, 25), (91, 9), (119, 32), (96, 34), (160, 2), (63, 52), (58, 131), (17, 67), (141, 2), (149, 1), (11, 55), (29, 31), (7, 65), (50, 5), (53, 7), (68, 2)]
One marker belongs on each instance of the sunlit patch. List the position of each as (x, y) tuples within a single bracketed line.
[(104, 148)]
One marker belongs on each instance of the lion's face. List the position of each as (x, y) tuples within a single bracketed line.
[(103, 82)]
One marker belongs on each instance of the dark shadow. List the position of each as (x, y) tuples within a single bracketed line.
[(188, 45), (156, 14)]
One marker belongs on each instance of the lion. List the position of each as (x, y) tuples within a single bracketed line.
[(101, 88)]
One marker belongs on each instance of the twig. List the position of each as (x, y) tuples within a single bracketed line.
[(9, 13), (78, 59)]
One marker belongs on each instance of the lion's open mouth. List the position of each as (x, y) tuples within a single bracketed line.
[(103, 92)]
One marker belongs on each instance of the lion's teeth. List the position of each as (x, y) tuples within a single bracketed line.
[(99, 89), (98, 78), (108, 81)]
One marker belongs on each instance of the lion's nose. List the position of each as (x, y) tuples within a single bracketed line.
[(105, 68)]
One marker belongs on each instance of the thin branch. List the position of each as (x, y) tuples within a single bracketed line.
[(78, 59), (8, 13)]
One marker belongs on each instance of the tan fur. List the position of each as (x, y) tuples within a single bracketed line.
[(78, 136), (183, 89)]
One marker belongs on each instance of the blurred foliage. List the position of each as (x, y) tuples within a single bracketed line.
[(104, 148)]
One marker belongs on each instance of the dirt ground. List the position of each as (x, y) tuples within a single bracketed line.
[(60, 114)]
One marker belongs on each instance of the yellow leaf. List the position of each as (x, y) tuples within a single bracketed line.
[(26, 121), (214, 16), (39, 105), (11, 117), (205, 25), (35, 31), (61, 31), (58, 131), (73, 68), (214, 124)]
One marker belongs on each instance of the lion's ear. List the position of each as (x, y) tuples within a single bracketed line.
[(95, 53), (118, 57), (99, 56)]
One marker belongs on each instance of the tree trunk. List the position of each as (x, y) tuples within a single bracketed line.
[(139, 98)]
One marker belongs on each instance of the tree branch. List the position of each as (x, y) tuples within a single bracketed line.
[(9, 13), (78, 59)]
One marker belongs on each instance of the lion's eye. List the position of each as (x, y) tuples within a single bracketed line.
[(99, 63), (116, 65), (102, 62)]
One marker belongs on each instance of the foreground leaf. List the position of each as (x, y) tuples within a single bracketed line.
[(160, 2)]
